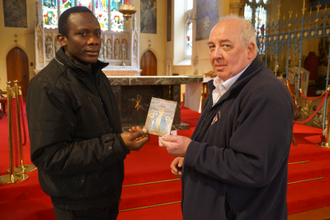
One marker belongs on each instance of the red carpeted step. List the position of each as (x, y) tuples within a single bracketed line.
[(151, 163), (308, 150), (304, 129), (26, 200), (308, 170), (190, 117), (27, 189), (28, 209), (308, 195), (151, 194), (164, 212)]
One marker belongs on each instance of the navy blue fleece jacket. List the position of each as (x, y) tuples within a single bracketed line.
[(236, 165)]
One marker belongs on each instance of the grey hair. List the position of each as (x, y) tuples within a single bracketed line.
[(248, 34)]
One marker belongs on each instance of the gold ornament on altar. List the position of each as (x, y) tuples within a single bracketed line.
[(127, 9), (138, 100)]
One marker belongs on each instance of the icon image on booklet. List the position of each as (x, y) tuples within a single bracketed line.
[(160, 116)]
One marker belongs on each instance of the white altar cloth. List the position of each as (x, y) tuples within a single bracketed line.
[(193, 95)]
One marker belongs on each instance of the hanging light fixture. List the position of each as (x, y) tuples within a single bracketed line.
[(127, 9)]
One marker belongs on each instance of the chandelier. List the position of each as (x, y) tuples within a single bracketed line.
[(127, 9)]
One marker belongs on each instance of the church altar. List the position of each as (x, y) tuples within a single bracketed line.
[(121, 50), (121, 71), (133, 95)]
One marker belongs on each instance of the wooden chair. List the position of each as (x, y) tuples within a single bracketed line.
[(291, 88)]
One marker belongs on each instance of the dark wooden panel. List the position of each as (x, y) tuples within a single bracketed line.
[(18, 68), (148, 64)]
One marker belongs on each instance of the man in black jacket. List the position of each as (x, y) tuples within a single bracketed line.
[(235, 164), (74, 124)]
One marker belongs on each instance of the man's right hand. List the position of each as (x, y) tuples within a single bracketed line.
[(176, 166), (135, 140)]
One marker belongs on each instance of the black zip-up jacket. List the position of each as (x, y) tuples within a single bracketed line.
[(74, 127), (237, 163)]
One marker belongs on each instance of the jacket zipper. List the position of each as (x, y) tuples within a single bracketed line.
[(93, 82), (82, 181), (204, 119)]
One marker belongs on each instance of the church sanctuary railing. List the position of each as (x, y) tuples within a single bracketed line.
[(284, 39)]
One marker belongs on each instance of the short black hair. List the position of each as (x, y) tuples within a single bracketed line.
[(63, 24)]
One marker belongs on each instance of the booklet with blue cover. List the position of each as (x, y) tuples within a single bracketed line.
[(160, 116)]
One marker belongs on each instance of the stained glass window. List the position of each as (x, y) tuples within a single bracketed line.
[(260, 24), (189, 40), (255, 11), (65, 4), (117, 19), (260, 21), (101, 13), (188, 29), (50, 13), (86, 3), (104, 11), (248, 13)]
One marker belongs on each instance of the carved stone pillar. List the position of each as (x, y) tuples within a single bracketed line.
[(236, 7)]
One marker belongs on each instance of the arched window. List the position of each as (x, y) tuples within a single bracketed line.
[(188, 28), (256, 12), (104, 10)]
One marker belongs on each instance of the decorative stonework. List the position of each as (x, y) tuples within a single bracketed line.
[(39, 46), (49, 46), (117, 48), (109, 48), (154, 80), (236, 7)]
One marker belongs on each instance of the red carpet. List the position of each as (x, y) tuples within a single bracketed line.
[(151, 192)]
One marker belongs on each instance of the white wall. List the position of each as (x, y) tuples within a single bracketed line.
[(25, 40)]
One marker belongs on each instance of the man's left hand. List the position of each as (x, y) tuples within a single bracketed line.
[(137, 128), (136, 138), (176, 145)]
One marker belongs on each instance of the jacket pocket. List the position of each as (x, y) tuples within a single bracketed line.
[(81, 182)]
